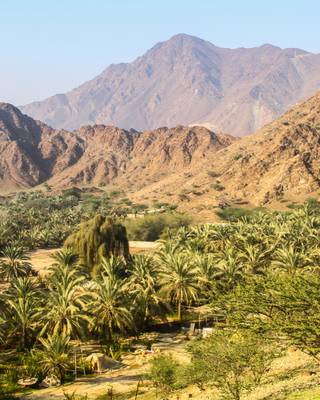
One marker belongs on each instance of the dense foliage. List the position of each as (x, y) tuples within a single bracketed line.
[(42, 219), (260, 273)]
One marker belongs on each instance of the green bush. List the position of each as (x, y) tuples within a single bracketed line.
[(217, 186), (74, 192), (232, 361), (151, 227), (164, 372), (236, 213)]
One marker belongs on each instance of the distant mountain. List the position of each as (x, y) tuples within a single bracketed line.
[(186, 80)]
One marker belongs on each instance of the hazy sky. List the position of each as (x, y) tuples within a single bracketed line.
[(51, 46)]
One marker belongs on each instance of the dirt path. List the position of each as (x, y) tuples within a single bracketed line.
[(122, 381)]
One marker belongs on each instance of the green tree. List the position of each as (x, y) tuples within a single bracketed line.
[(14, 263), (229, 270), (65, 310), (178, 280), (22, 300), (97, 238), (109, 306), (55, 355), (142, 284), (234, 362), (290, 260), (164, 373)]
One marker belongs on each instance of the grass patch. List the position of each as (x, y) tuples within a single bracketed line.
[(308, 394)]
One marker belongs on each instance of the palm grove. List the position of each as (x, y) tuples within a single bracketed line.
[(260, 273)]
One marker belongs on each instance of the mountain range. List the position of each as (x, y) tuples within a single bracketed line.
[(192, 166), (189, 81)]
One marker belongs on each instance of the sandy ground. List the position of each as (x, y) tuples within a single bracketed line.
[(123, 380), (42, 259), (289, 375)]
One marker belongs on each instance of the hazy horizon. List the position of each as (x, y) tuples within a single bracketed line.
[(50, 48)]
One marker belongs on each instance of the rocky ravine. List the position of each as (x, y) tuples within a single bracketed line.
[(187, 80)]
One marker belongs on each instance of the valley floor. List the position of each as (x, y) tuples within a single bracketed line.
[(294, 376)]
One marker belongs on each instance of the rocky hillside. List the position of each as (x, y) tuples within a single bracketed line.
[(32, 152), (190, 166), (136, 159), (280, 161), (186, 80)]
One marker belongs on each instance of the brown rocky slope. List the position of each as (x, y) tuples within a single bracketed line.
[(282, 160), (191, 166), (32, 153)]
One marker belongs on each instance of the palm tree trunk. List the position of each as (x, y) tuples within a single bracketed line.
[(179, 310), (109, 333), (23, 337)]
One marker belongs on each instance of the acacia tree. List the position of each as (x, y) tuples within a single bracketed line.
[(232, 361), (282, 307)]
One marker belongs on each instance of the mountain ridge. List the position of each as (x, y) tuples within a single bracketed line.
[(190, 166), (187, 80)]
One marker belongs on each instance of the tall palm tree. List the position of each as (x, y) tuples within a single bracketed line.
[(109, 305), (65, 257), (65, 310), (14, 262), (178, 280), (113, 267), (254, 259), (22, 300), (142, 284), (229, 270)]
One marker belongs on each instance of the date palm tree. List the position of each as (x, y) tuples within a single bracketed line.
[(178, 280), (110, 306), (229, 270), (113, 267), (289, 260), (142, 284), (14, 262), (65, 311), (255, 260), (22, 300), (55, 355), (65, 257)]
